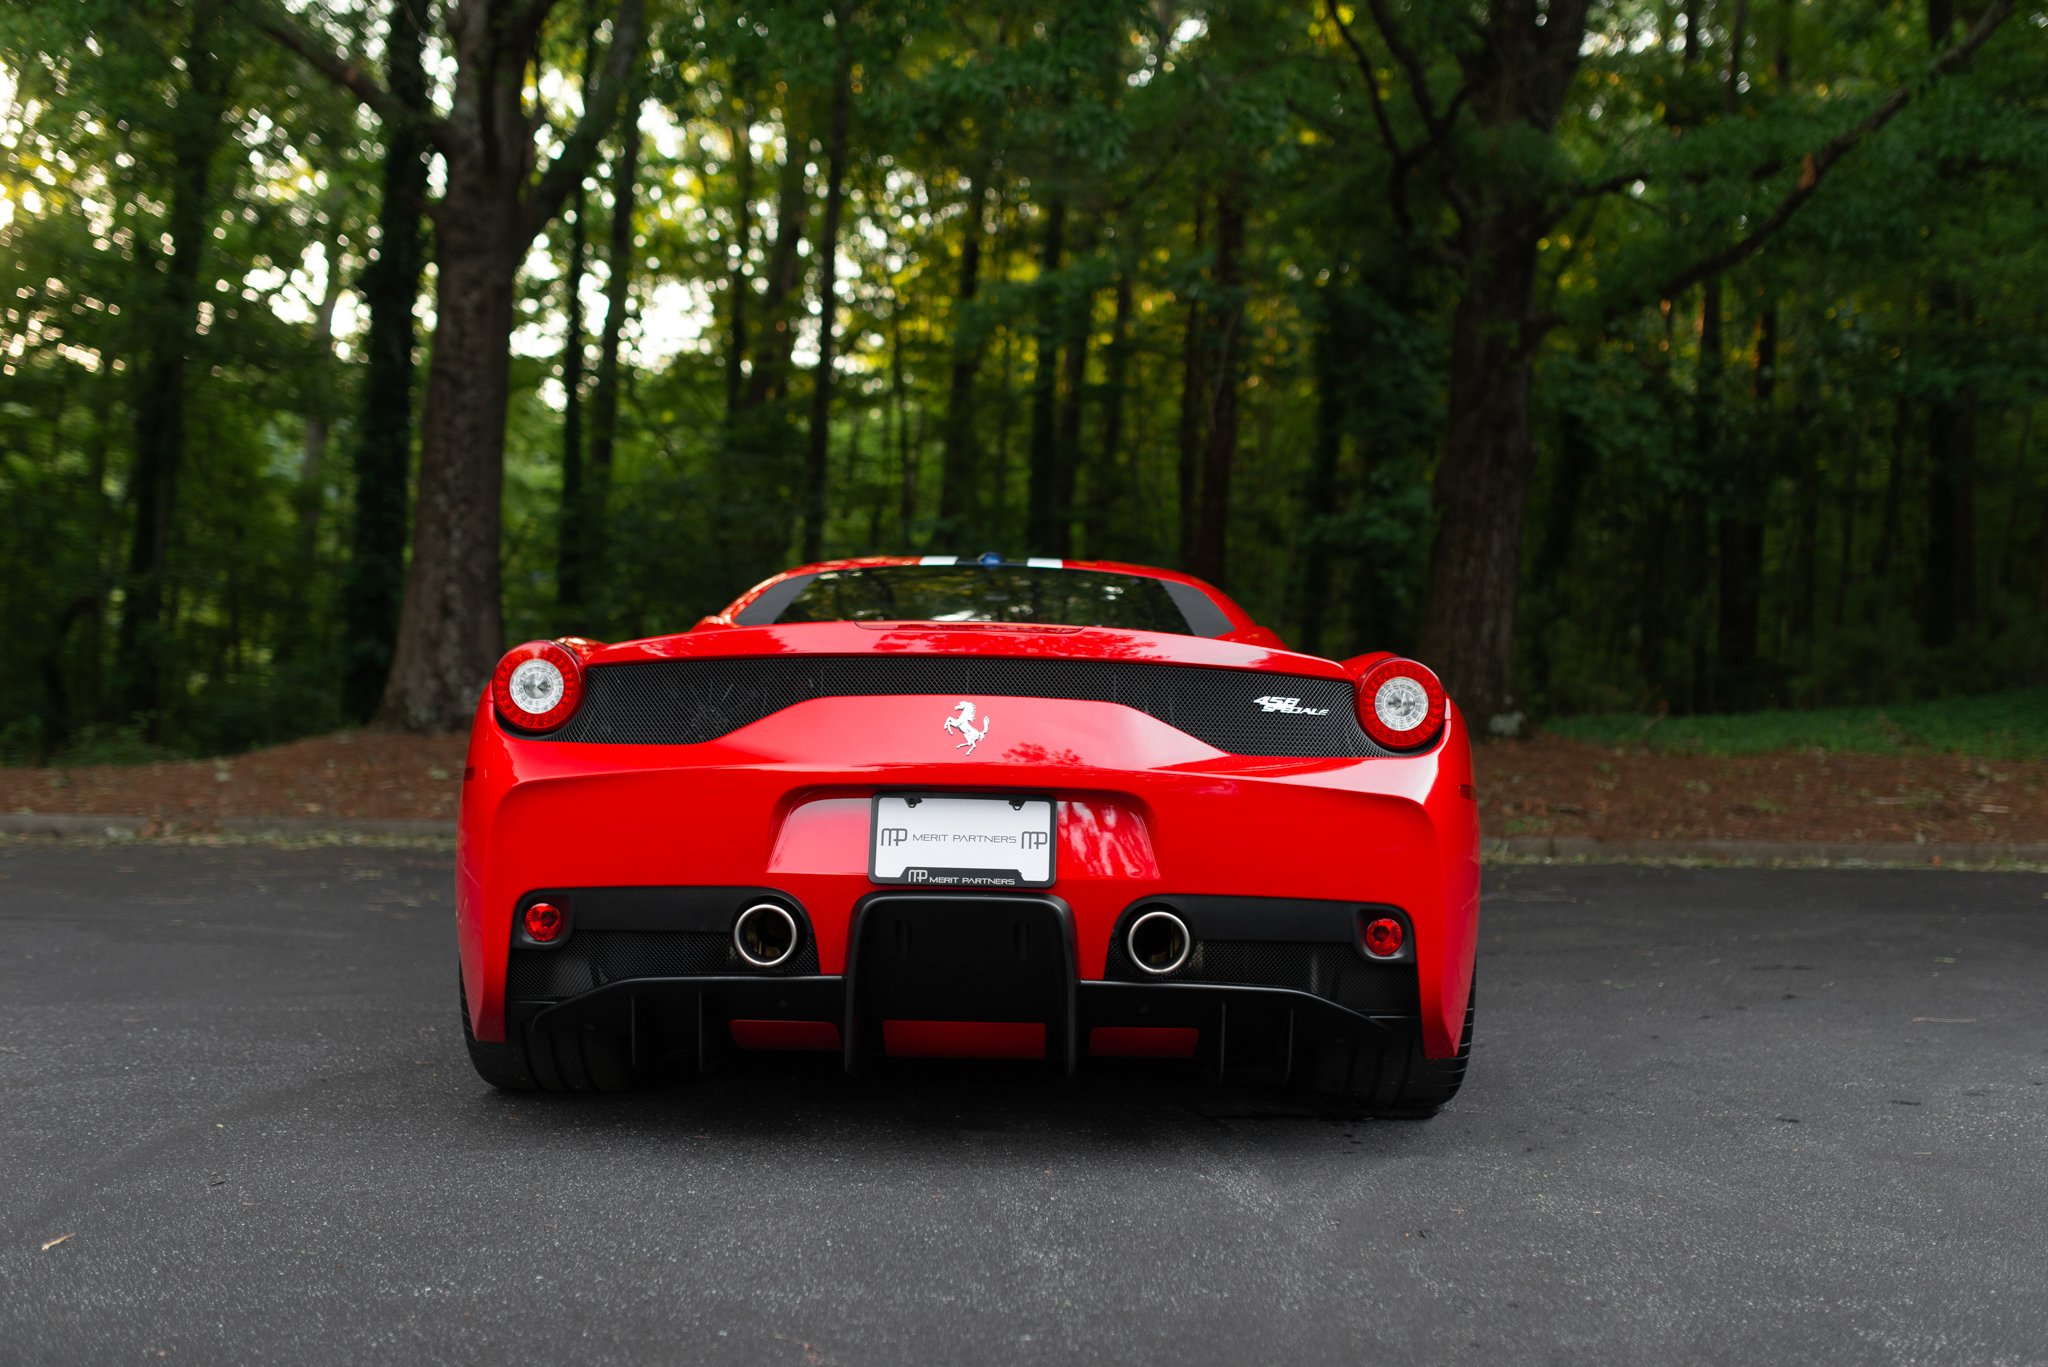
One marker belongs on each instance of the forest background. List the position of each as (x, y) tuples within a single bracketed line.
[(1667, 355)]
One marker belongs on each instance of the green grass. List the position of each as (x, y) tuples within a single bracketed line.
[(2003, 726)]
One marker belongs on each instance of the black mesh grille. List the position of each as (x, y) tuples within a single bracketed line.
[(682, 702), (593, 958), (1333, 972)]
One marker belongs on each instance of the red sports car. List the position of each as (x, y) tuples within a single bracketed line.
[(963, 807)]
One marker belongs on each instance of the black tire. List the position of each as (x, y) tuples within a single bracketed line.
[(1390, 1078), (549, 1061)]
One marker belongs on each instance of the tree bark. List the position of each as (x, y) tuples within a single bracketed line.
[(1330, 362), (451, 624), (374, 582), (1481, 491), (956, 467), (818, 453), (569, 548), (1951, 602), (1209, 555), (1194, 388), (770, 375), (593, 512), (736, 285), (1078, 314), (1740, 537), (1104, 506), (319, 429), (159, 396), (1517, 79), (1042, 512)]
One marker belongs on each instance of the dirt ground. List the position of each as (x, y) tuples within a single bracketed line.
[(1552, 786), (1545, 786), (348, 775)]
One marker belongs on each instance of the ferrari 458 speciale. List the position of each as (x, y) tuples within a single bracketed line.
[(970, 807)]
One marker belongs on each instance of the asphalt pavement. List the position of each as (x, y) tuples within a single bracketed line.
[(1728, 1116)]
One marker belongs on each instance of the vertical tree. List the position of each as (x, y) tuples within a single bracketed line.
[(1503, 182), (591, 510), (819, 445), (169, 288), (494, 204), (571, 545), (1951, 601), (1208, 556), (1042, 512), (375, 579)]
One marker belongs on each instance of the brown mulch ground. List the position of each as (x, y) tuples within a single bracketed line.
[(1545, 786), (1552, 786), (352, 775)]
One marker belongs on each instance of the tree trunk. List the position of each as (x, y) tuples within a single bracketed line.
[(1042, 513), (451, 626), (382, 456), (785, 273), (1740, 535), (1078, 311), (1518, 75), (736, 286), (313, 450), (159, 396), (956, 468), (1951, 485), (817, 457), (1104, 505), (1194, 388), (1331, 364), (1209, 556), (1891, 514), (1481, 492), (593, 511), (1951, 603), (570, 547)]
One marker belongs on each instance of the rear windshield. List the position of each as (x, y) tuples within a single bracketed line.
[(986, 593)]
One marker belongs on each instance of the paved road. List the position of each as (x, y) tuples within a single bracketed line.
[(1733, 1116)]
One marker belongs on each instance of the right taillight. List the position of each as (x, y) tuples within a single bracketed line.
[(537, 686), (1401, 704)]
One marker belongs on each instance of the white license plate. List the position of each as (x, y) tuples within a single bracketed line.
[(988, 842)]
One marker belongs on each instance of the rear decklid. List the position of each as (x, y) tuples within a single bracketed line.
[(706, 684)]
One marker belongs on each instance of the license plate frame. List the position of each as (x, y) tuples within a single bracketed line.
[(957, 826)]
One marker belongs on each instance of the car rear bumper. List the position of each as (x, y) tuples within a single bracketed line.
[(1145, 814), (960, 974)]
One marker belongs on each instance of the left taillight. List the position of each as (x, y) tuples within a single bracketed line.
[(1401, 704), (537, 686)]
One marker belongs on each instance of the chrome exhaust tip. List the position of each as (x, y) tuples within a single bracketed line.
[(1159, 942), (765, 935)]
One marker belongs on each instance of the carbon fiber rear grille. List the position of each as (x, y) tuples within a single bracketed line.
[(683, 702), (1333, 972), (592, 958)]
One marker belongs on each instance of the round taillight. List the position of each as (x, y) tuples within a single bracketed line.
[(543, 922), (1401, 704), (1384, 937), (537, 686)]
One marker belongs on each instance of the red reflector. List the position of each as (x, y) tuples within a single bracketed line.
[(1143, 1041), (963, 1039), (543, 923), (785, 1036), (1384, 937)]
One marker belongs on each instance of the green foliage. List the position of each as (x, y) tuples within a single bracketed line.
[(1997, 726), (1647, 444)]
